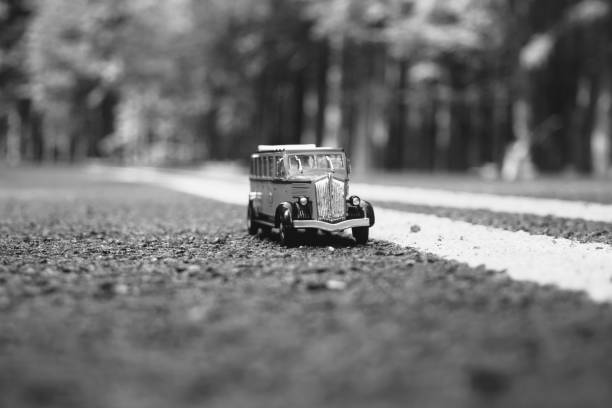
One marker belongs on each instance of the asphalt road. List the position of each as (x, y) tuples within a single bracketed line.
[(120, 295)]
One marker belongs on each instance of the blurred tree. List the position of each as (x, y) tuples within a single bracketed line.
[(73, 69), (260, 67), (159, 84), (355, 115), (389, 38), (429, 84), (14, 16), (545, 103), (455, 40)]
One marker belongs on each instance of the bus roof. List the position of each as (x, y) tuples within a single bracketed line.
[(293, 147)]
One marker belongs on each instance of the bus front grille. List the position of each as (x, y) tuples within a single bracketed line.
[(330, 200)]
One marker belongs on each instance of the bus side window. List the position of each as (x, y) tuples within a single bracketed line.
[(265, 167), (280, 167), (271, 167), (262, 171), (262, 167)]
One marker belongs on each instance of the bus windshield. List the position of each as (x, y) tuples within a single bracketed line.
[(307, 162)]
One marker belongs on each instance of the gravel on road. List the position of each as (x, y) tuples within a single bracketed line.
[(126, 295)]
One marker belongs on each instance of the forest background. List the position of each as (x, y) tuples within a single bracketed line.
[(509, 88)]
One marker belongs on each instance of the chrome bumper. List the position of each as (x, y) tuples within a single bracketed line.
[(326, 226)]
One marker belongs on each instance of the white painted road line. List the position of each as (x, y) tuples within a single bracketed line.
[(477, 201), (230, 192), (536, 258)]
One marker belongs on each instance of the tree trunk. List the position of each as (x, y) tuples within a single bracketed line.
[(299, 85), (580, 122), (600, 138), (13, 136), (517, 162), (398, 119), (360, 149), (425, 124), (443, 127), (3, 136), (371, 133), (322, 95), (332, 114), (500, 122), (517, 158), (481, 120), (459, 135)]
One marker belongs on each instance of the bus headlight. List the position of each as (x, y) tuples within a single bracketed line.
[(355, 200), (303, 201)]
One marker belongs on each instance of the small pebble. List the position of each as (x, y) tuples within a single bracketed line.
[(315, 285), (333, 284), (49, 272), (415, 228), (197, 313), (106, 288), (291, 280), (4, 301), (331, 248), (193, 269)]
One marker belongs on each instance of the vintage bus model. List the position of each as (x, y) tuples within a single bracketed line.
[(304, 187)]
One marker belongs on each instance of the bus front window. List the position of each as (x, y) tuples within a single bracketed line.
[(304, 163)]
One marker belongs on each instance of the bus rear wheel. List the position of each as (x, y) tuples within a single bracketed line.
[(251, 226)]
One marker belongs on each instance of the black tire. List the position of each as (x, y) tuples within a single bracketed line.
[(251, 226), (311, 235), (369, 212), (361, 235), (265, 231), (288, 235)]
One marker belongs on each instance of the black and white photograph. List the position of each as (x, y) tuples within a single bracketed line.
[(305, 203)]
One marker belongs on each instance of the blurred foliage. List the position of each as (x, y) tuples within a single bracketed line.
[(427, 84), (14, 16)]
